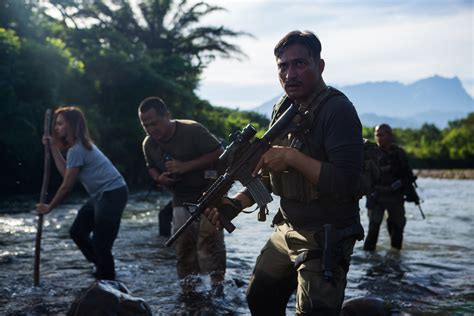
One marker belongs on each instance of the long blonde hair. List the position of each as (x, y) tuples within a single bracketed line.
[(77, 124)]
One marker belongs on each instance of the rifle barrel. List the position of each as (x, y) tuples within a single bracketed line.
[(175, 236), (421, 211)]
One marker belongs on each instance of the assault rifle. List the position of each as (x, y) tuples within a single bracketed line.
[(412, 196), (240, 159)]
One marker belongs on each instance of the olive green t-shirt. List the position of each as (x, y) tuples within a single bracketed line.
[(190, 141)]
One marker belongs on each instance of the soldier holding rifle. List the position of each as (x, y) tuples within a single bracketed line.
[(315, 168), (395, 183)]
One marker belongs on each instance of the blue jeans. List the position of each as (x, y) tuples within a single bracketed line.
[(95, 228)]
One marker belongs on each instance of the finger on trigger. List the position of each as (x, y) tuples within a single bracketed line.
[(258, 167)]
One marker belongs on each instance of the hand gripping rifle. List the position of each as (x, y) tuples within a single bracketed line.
[(240, 158)]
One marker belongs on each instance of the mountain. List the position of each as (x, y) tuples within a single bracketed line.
[(436, 100)]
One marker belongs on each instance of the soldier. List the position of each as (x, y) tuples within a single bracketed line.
[(395, 178), (315, 170)]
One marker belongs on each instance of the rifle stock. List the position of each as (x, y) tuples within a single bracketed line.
[(240, 158)]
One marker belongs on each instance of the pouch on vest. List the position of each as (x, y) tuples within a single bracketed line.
[(291, 184)]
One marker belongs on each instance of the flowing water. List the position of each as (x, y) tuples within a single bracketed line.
[(432, 275)]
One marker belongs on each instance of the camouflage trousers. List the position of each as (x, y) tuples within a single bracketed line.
[(200, 249), (275, 278)]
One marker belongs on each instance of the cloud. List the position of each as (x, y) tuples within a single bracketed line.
[(363, 41)]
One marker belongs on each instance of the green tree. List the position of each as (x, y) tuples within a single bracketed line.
[(430, 147), (459, 138), (157, 47), (34, 76)]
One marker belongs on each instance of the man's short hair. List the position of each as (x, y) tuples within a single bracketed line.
[(153, 103), (384, 127), (305, 38)]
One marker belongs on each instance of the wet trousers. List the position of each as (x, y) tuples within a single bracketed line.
[(275, 278), (200, 249), (96, 227), (395, 222)]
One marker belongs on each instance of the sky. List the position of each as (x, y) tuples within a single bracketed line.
[(362, 41)]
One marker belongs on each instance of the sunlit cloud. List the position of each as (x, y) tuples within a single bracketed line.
[(363, 41)]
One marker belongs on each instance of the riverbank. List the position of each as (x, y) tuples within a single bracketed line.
[(461, 174)]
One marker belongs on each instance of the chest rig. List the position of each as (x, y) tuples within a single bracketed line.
[(390, 165), (291, 184)]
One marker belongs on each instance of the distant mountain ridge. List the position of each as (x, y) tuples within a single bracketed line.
[(435, 100)]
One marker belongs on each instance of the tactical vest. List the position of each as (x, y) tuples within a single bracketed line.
[(291, 184), (391, 166)]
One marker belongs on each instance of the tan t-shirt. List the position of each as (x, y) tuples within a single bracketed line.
[(190, 141)]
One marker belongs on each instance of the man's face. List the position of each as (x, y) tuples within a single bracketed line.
[(158, 127), (298, 72), (383, 137)]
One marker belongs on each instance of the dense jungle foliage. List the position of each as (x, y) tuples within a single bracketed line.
[(107, 56)]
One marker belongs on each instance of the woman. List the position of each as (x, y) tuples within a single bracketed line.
[(107, 189)]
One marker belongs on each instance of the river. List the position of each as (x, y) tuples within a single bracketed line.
[(432, 275)]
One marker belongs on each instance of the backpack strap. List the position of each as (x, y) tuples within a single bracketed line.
[(312, 114), (283, 103), (308, 117), (316, 107)]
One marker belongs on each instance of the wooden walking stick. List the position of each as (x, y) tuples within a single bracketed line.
[(44, 192)]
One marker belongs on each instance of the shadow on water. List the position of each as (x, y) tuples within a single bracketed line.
[(432, 275)]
